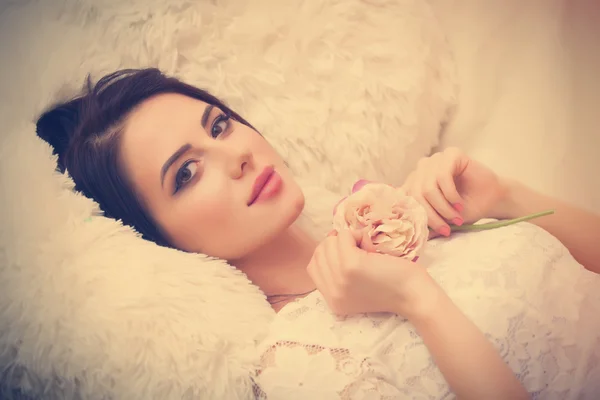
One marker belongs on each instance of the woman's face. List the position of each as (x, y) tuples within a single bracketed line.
[(198, 173)]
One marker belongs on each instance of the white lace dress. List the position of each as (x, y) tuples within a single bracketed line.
[(521, 287)]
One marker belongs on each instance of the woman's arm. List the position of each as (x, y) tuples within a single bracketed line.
[(451, 178), (577, 229), (470, 364)]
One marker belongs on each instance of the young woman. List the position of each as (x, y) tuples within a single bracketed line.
[(187, 172)]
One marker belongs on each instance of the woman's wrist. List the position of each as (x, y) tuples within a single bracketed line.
[(420, 300), (507, 206)]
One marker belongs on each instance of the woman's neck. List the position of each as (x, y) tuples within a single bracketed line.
[(279, 268)]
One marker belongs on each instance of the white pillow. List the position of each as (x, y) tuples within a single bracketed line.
[(343, 89), (89, 309)]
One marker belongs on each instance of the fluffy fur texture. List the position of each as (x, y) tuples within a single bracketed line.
[(89, 308), (343, 89)]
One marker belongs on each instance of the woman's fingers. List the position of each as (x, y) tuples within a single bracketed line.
[(314, 271), (432, 184), (454, 164), (433, 234), (414, 187), (441, 204), (455, 161), (332, 256), (434, 220), (327, 250), (320, 270), (448, 188), (348, 250), (348, 240)]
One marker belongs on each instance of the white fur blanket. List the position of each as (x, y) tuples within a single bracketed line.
[(87, 309)]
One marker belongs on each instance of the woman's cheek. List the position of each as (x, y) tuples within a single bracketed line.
[(212, 206)]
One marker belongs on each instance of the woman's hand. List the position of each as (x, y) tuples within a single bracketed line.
[(353, 281), (455, 189)]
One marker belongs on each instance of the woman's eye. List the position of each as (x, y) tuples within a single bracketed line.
[(185, 174), (220, 125)]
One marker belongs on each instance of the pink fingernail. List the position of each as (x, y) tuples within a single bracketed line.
[(457, 221), (415, 259), (444, 231), (458, 207)]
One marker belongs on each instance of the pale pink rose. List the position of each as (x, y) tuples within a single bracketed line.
[(387, 220)]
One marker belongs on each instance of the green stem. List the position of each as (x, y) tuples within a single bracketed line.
[(498, 224)]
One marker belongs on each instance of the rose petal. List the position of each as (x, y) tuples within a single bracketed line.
[(359, 185), (390, 225), (338, 203), (388, 220), (366, 243)]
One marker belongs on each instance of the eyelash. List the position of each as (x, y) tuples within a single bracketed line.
[(178, 183), (220, 118)]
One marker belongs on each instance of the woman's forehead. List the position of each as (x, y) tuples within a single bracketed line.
[(165, 112), (156, 129)]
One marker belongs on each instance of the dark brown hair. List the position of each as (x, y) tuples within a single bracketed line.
[(85, 134)]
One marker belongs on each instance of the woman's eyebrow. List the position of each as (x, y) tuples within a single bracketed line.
[(171, 160), (206, 114), (185, 148)]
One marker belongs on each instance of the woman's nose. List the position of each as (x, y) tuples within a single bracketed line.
[(240, 163)]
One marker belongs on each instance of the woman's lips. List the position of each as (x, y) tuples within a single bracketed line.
[(266, 185)]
